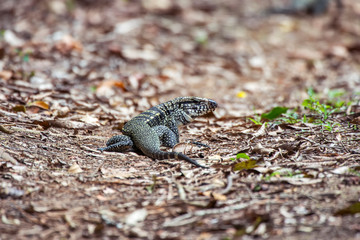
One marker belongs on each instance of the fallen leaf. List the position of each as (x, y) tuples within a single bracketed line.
[(157, 5), (341, 170), (136, 217), (148, 54), (75, 168), (274, 113), (69, 220), (7, 221), (67, 44), (116, 173), (19, 108), (4, 155), (63, 123), (245, 165), (40, 104), (352, 209), (6, 75), (90, 119), (216, 196), (12, 39)]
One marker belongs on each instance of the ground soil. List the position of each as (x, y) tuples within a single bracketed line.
[(73, 72)]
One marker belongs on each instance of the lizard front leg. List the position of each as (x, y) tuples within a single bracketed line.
[(167, 137), (118, 143)]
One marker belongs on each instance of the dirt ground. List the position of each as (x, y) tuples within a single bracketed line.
[(73, 72)]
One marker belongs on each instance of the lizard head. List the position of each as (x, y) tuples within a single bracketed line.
[(195, 106)]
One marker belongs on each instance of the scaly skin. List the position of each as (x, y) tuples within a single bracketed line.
[(158, 126)]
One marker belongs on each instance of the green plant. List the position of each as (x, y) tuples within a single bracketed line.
[(318, 111), (334, 104), (256, 119), (240, 155), (274, 113), (313, 104), (291, 116), (282, 173)]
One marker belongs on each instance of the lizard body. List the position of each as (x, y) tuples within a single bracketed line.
[(158, 126)]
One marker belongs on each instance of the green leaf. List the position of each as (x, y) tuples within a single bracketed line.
[(352, 209), (274, 113), (242, 155), (254, 121), (249, 164), (307, 103), (304, 120)]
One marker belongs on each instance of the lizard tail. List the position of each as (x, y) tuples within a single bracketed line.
[(160, 155)]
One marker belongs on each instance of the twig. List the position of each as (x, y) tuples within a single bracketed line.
[(229, 183), (189, 218)]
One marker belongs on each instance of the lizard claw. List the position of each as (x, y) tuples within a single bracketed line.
[(101, 149)]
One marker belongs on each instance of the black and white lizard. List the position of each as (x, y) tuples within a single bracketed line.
[(158, 126)]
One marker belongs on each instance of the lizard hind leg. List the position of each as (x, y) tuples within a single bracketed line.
[(118, 143)]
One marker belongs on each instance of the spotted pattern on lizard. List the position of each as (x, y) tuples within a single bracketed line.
[(158, 126)]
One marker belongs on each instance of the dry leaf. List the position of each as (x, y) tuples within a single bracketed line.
[(116, 173), (6, 75), (136, 217), (19, 108), (140, 54), (67, 44), (90, 119), (216, 196), (4, 155), (75, 168), (40, 104), (62, 123), (157, 5), (341, 170), (12, 39)]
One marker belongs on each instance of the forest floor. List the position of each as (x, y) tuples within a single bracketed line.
[(73, 72)]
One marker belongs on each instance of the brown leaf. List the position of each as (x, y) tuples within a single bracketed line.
[(6, 75), (67, 44), (216, 196), (4, 155), (19, 108), (75, 168), (116, 173), (40, 104)]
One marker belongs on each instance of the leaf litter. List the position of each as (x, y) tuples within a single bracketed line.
[(73, 77)]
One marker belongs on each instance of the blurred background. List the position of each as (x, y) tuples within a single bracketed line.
[(245, 54)]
